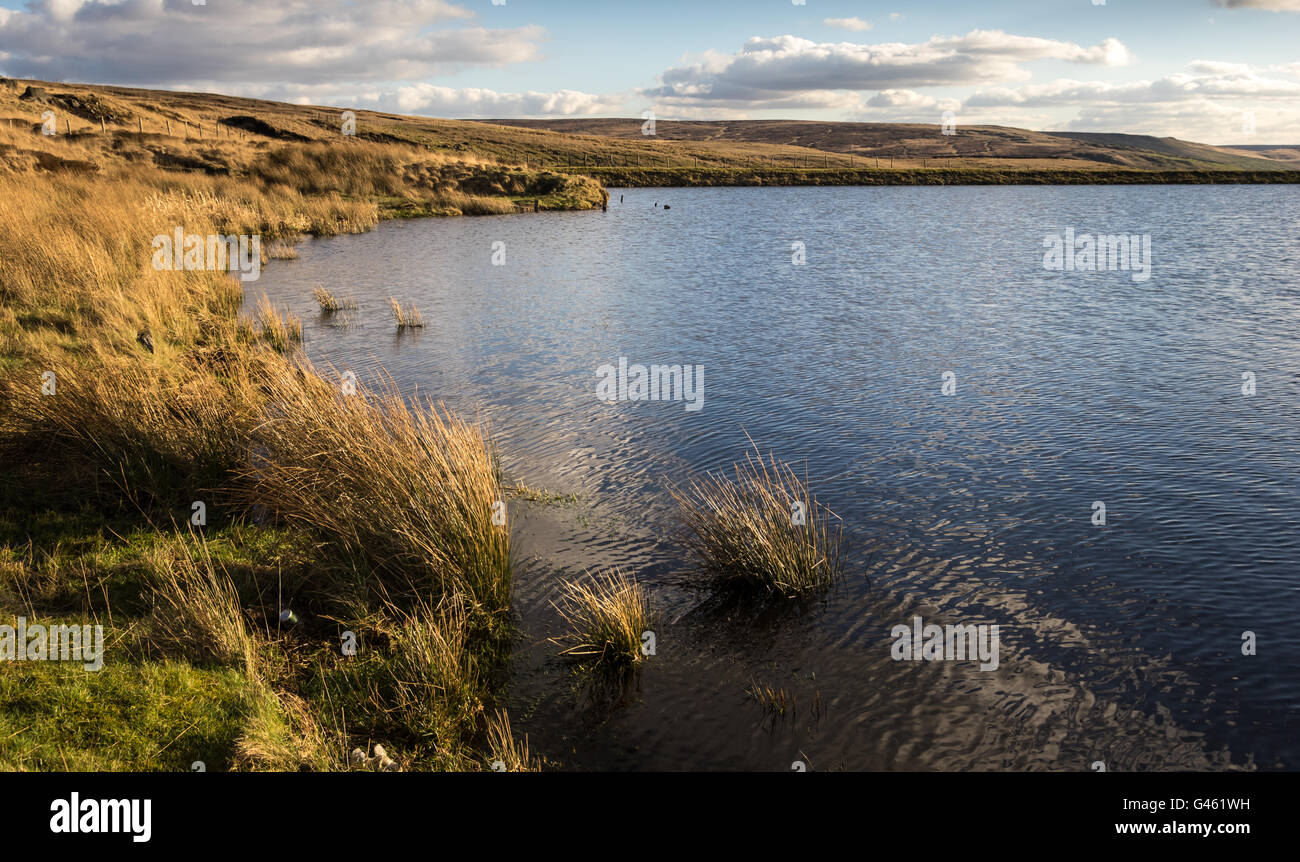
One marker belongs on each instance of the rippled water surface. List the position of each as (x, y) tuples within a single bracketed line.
[(1119, 643)]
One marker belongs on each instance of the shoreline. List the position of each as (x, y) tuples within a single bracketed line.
[(619, 177)]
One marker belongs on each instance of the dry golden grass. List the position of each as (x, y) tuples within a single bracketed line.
[(607, 614), (280, 329), (763, 528), (505, 752), (772, 698), (409, 491), (329, 303), (163, 389), (406, 318), (154, 428), (282, 734)]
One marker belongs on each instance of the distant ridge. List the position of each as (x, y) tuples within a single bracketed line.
[(912, 140)]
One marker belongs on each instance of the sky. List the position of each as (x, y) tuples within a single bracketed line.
[(1215, 71)]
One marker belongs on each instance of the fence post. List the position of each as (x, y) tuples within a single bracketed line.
[(169, 127), (103, 128)]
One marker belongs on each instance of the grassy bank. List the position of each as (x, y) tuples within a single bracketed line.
[(682, 177), (285, 568)]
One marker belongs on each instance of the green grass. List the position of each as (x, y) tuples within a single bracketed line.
[(128, 716), (541, 496)]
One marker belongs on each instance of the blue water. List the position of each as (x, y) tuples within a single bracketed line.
[(1120, 643)]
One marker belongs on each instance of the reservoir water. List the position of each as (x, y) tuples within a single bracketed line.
[(1120, 643)]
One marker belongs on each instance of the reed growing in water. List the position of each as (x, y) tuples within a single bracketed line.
[(329, 303), (607, 614), (406, 318), (761, 529)]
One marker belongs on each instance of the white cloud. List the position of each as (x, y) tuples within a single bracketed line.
[(1275, 5), (480, 103), (901, 99), (855, 24), (247, 42), (777, 72), (1207, 105), (1173, 88)]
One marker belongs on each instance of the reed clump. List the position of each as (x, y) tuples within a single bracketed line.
[(409, 491), (406, 318), (773, 699), (329, 303), (608, 614), (761, 529), (280, 329), (437, 688)]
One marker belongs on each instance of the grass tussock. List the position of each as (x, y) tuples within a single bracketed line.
[(505, 752), (410, 492), (282, 734), (329, 303), (160, 431), (438, 688), (607, 614), (406, 318), (762, 529), (281, 330)]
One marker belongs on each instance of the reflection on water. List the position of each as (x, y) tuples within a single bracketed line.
[(1119, 644)]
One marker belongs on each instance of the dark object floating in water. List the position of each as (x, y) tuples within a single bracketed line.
[(667, 207), (146, 339)]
